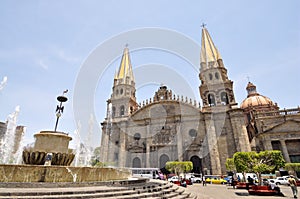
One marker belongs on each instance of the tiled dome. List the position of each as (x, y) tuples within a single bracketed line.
[(255, 100)]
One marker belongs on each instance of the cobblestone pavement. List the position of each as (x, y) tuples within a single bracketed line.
[(214, 191)]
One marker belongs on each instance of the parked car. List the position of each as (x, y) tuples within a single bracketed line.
[(173, 179), (228, 179), (196, 178), (215, 180), (179, 181), (280, 180)]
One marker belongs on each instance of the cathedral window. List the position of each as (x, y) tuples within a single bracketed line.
[(113, 112), (210, 76), (121, 91), (217, 75), (211, 100), (224, 98), (193, 133), (131, 110), (122, 110), (117, 92), (137, 136)]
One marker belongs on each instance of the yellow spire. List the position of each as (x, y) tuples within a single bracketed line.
[(125, 69), (209, 52)]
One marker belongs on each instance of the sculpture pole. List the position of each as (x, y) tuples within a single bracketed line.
[(60, 107)]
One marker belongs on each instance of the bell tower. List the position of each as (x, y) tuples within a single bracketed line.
[(123, 100), (216, 89)]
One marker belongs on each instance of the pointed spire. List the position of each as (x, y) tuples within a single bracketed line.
[(125, 69), (209, 52)]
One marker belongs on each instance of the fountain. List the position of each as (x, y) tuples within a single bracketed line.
[(51, 142), (50, 158)]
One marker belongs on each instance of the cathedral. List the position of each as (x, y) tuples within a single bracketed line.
[(172, 128)]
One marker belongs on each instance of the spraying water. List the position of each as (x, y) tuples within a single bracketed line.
[(77, 145), (83, 154), (88, 148), (9, 151)]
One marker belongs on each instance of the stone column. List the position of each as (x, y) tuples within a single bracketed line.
[(148, 143), (104, 146), (239, 130), (122, 145), (110, 150), (285, 152), (179, 140), (212, 144), (267, 143)]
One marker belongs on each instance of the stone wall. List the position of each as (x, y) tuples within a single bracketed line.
[(37, 173)]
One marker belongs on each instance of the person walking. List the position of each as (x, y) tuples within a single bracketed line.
[(293, 185), (203, 180)]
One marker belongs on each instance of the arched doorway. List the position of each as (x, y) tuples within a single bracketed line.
[(162, 163), (162, 160), (136, 162), (196, 164)]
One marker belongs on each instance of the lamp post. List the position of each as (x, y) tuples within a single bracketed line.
[(60, 108)]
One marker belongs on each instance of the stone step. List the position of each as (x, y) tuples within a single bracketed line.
[(58, 191), (152, 189)]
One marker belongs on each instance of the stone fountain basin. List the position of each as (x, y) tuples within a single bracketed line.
[(40, 173)]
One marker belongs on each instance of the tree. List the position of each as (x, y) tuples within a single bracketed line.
[(230, 166), (243, 162), (262, 162), (292, 167), (267, 161), (95, 159), (179, 167)]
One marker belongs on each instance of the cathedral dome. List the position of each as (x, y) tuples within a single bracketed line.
[(255, 100)]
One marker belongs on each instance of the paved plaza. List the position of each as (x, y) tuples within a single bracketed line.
[(214, 191)]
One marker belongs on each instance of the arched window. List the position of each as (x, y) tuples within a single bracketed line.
[(136, 163), (162, 160), (113, 112), (122, 110), (211, 100), (224, 98), (217, 75), (210, 76)]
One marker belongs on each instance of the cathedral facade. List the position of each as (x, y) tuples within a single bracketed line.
[(168, 127)]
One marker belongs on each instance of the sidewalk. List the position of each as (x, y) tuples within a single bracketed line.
[(214, 191)]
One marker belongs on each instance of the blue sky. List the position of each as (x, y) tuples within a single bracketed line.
[(45, 44)]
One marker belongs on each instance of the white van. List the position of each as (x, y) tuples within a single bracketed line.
[(241, 177)]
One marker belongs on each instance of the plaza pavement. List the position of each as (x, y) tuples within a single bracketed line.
[(215, 191)]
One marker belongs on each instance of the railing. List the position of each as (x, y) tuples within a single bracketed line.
[(178, 99), (283, 112)]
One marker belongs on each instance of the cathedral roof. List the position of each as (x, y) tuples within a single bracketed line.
[(209, 52), (125, 69), (255, 100)]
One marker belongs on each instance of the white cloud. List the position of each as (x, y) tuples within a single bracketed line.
[(42, 64), (67, 58)]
